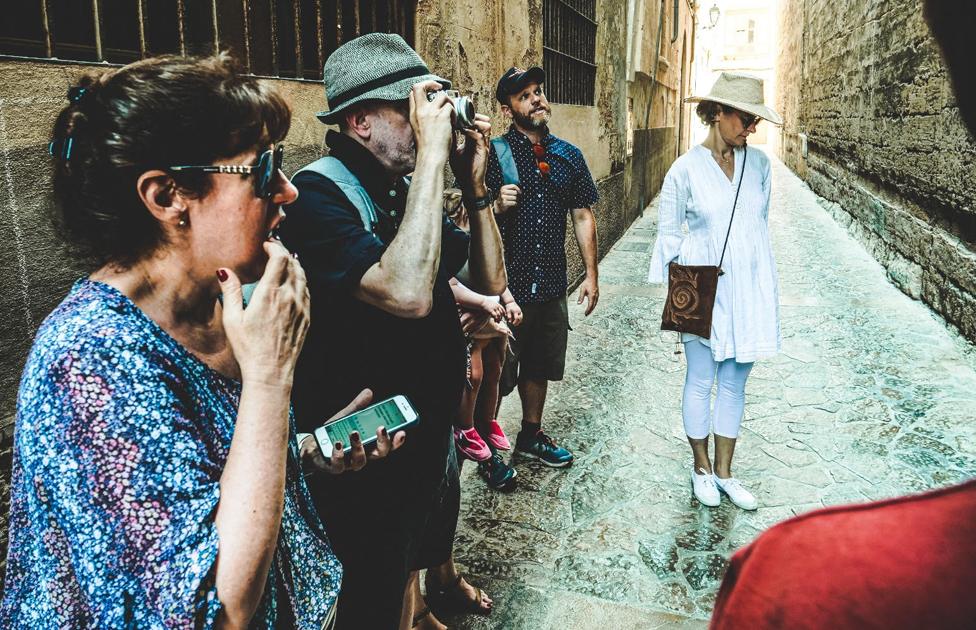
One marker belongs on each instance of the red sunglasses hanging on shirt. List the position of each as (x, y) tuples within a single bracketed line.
[(540, 152)]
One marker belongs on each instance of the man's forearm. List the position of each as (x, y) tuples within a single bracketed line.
[(486, 264), (402, 282), (584, 225)]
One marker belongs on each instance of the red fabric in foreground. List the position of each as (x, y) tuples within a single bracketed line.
[(903, 563)]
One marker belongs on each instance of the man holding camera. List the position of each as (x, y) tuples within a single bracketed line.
[(379, 253), (539, 178)]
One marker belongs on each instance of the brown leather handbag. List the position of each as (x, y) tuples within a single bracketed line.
[(691, 288)]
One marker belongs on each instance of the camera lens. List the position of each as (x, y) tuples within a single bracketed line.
[(464, 108)]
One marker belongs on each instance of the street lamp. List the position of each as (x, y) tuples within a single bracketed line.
[(713, 15)]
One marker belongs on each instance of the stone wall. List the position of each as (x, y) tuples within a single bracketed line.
[(863, 80)]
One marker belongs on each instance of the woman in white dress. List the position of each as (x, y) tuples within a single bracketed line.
[(698, 193)]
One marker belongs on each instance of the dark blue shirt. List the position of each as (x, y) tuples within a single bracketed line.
[(534, 233), (351, 344)]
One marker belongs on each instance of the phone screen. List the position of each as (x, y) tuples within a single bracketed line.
[(385, 414)]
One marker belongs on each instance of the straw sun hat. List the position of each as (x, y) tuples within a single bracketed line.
[(741, 91), (379, 66)]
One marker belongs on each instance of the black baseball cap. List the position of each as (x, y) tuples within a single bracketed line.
[(515, 79)]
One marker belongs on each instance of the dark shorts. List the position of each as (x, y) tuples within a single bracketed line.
[(539, 347)]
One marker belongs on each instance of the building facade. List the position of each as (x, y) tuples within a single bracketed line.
[(872, 125), (617, 70), (741, 39)]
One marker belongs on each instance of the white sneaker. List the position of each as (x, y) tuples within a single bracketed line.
[(736, 493), (704, 488)]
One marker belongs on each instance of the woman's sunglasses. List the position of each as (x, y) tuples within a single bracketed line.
[(540, 152), (748, 120), (267, 167)]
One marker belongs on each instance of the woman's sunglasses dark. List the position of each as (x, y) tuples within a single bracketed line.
[(267, 167), (748, 120)]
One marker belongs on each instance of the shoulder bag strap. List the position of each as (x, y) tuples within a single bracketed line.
[(745, 151)]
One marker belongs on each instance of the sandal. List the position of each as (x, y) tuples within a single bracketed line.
[(454, 598), (425, 612)]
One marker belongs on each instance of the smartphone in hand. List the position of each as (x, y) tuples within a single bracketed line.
[(393, 413)]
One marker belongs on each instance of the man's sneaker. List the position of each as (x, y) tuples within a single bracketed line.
[(736, 493), (541, 447), (497, 437), (497, 473), (470, 444), (703, 485)]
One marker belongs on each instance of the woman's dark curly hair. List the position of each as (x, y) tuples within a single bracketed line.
[(708, 111), (152, 114)]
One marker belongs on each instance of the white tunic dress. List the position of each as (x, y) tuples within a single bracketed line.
[(698, 194)]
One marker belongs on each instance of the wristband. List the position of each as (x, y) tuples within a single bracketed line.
[(476, 203)]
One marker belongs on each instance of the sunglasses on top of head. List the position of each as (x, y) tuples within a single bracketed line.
[(267, 167)]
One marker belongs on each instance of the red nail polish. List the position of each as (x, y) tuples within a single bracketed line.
[(222, 275), (338, 446)]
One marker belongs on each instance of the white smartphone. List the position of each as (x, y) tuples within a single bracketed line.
[(393, 413)]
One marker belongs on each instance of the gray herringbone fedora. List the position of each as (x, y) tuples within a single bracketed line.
[(378, 66), (741, 91)]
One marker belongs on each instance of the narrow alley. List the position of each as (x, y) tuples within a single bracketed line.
[(870, 398)]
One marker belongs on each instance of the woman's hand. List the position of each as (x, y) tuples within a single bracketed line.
[(339, 462), (495, 310), (267, 336), (513, 313)]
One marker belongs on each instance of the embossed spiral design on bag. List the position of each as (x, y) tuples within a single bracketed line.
[(684, 297)]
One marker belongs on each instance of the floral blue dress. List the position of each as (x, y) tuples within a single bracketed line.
[(121, 438)]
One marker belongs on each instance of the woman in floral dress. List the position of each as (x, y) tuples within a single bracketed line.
[(156, 480)]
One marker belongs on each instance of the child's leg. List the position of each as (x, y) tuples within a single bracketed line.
[(465, 419), (492, 360)]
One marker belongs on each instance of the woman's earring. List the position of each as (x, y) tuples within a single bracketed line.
[(182, 222)]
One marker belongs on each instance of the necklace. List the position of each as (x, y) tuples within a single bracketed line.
[(721, 158)]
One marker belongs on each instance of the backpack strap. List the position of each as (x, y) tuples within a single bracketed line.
[(336, 171), (504, 152)]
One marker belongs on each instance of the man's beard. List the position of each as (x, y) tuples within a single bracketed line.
[(527, 122), (400, 159)]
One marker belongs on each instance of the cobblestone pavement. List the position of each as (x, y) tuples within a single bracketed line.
[(871, 397)]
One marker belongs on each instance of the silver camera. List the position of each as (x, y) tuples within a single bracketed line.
[(463, 117)]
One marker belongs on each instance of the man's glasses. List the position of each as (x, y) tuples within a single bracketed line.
[(540, 152), (266, 169)]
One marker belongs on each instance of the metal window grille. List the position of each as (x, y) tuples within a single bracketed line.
[(569, 50), (275, 38)]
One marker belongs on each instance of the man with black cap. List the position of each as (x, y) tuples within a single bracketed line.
[(379, 253), (539, 178)]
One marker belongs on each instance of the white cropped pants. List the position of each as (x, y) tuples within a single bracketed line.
[(730, 399)]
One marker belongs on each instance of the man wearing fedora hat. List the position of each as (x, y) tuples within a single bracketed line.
[(379, 254), (540, 179)]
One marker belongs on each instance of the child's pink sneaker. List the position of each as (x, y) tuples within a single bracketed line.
[(497, 436), (469, 442)]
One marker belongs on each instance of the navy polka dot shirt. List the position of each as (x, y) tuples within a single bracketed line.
[(534, 233)]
